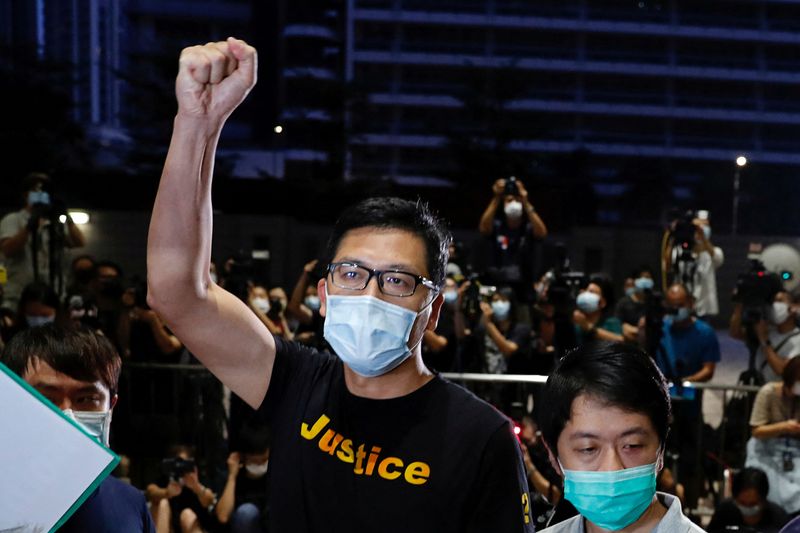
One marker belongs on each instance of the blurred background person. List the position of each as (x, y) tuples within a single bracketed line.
[(630, 308), (244, 502), (775, 444), (592, 318), (304, 306), (749, 506), (511, 224), (36, 227), (38, 305), (440, 347)]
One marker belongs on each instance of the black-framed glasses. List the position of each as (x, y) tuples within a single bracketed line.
[(354, 277)]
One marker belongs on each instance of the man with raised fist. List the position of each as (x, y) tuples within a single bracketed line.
[(364, 440)]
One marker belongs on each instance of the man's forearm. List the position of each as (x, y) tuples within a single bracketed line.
[(775, 361), (179, 241), (295, 306), (485, 225), (537, 224), (226, 502)]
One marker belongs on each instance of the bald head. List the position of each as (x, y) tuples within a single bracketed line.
[(678, 296)]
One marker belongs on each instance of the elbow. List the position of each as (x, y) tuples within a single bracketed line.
[(168, 297)]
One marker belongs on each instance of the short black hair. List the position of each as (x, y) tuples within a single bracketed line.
[(396, 213), (38, 292), (636, 273), (73, 350), (618, 374), (30, 182), (109, 264), (751, 478), (604, 282), (253, 439)]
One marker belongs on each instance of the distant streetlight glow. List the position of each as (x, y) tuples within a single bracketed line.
[(278, 128), (741, 161)]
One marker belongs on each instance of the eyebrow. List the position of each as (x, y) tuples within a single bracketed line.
[(627, 433), (394, 266), (50, 387)]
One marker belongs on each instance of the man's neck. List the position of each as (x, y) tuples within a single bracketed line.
[(514, 223), (786, 326), (403, 380)]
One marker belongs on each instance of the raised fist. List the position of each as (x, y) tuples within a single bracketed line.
[(213, 79)]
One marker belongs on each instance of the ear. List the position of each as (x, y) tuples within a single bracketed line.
[(113, 401), (323, 297), (553, 460), (436, 308)]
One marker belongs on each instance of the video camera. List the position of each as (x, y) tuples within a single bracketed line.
[(474, 294), (684, 230), (755, 290), (175, 467), (563, 284)]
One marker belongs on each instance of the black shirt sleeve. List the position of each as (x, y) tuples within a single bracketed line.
[(502, 500)]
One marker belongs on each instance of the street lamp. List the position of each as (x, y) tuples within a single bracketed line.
[(741, 161)]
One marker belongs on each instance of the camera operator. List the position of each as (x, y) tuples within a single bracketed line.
[(511, 236), (778, 336), (36, 227), (698, 270), (180, 500), (749, 507), (631, 308), (245, 499), (591, 320)]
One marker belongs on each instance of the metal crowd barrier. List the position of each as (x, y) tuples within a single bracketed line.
[(725, 453)]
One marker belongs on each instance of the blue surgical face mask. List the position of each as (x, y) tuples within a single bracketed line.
[(368, 334), (35, 321), (38, 197), (501, 309), (611, 500), (95, 423), (588, 302), (450, 296), (312, 302), (683, 313), (643, 284), (630, 291), (707, 232)]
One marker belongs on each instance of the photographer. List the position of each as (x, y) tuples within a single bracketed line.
[(591, 320), (180, 500), (695, 269), (778, 336), (439, 347), (35, 227), (244, 500), (749, 507), (511, 235), (775, 445)]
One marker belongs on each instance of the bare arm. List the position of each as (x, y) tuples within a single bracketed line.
[(299, 311), (75, 237), (702, 375), (435, 342), (227, 501), (735, 326), (768, 431), (485, 225), (538, 228), (215, 325)]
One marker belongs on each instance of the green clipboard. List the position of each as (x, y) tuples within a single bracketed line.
[(10, 379)]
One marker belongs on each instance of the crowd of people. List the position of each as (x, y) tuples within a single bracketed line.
[(338, 375)]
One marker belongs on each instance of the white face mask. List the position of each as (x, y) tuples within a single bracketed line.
[(95, 423), (262, 304), (513, 209), (779, 312), (257, 470)]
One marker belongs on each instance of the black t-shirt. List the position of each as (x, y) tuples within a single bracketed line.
[(728, 514), (114, 507), (629, 311), (435, 460), (512, 252)]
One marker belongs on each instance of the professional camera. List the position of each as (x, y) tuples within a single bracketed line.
[(684, 230), (755, 290), (175, 467), (474, 294), (511, 186)]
